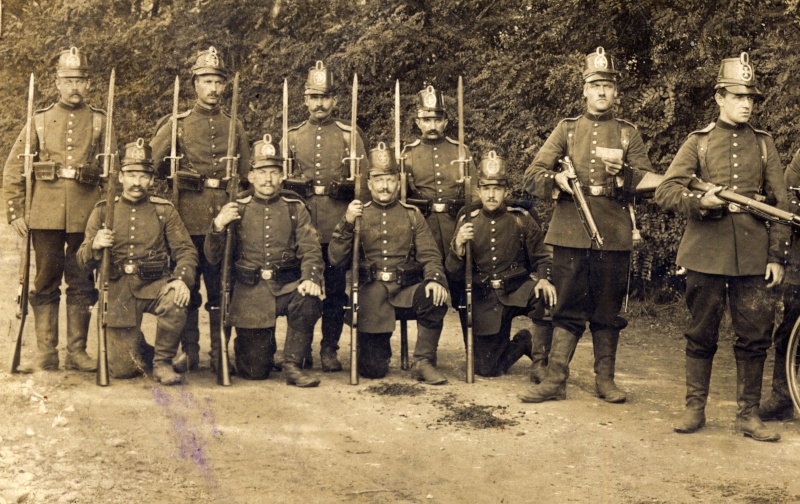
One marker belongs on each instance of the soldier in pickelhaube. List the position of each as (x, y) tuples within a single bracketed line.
[(203, 143), (147, 235), (610, 159), (403, 273), (318, 146), (278, 269), (729, 255), (67, 136), (511, 271)]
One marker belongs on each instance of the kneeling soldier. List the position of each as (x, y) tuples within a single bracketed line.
[(148, 233), (400, 252), (278, 269), (508, 246)]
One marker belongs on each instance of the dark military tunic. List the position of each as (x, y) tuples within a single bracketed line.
[(268, 232), (434, 177), (146, 230), (318, 149), (505, 240), (203, 141), (389, 235)]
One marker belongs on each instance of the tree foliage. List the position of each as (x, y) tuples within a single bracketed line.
[(520, 60)]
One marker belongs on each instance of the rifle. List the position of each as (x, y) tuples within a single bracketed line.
[(401, 161), (467, 180), (232, 176), (173, 149), (355, 171), (578, 197), (110, 174), (287, 163), (25, 261)]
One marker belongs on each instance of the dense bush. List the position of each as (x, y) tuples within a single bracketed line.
[(520, 61)]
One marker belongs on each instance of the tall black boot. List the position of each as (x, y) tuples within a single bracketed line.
[(605, 357), (78, 318), (749, 375), (519, 346), (554, 385), (540, 349), (293, 353), (698, 377), (45, 320), (779, 405), (165, 349), (189, 359)]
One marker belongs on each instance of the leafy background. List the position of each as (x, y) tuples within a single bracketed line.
[(520, 60)]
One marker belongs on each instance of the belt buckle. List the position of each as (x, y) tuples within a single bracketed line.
[(440, 207), (266, 274), (212, 183), (734, 208), (385, 276), (130, 269), (596, 190), (69, 173), (319, 190), (496, 284)]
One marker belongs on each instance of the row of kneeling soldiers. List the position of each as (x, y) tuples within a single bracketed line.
[(292, 249)]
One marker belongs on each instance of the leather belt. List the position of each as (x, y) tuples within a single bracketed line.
[(386, 276), (440, 207), (597, 190), (213, 183), (321, 190), (130, 269), (267, 274)]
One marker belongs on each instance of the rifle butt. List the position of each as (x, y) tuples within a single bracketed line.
[(354, 336), (17, 328), (223, 367)]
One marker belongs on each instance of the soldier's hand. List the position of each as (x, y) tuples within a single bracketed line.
[(613, 166), (710, 198), (19, 226), (354, 210), (309, 288), (228, 214), (181, 292), (562, 181), (437, 291), (103, 239), (774, 272), (465, 233), (546, 289)]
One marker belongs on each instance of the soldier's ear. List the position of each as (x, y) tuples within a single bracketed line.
[(446, 122), (586, 90), (335, 101), (88, 84)]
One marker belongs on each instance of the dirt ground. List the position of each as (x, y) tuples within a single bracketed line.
[(64, 439)]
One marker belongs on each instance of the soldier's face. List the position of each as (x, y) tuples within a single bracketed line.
[(734, 108), (600, 96), (432, 128), (72, 89), (383, 187), (320, 107), (135, 184), (492, 196), (209, 89), (266, 181)]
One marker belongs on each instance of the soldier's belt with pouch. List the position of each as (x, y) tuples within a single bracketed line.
[(342, 190), (508, 282), (302, 186), (596, 190), (286, 273), (145, 270), (50, 170)]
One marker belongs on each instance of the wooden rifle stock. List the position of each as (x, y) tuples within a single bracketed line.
[(401, 162), (584, 211), (355, 171)]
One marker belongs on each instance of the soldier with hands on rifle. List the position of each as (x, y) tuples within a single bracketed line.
[(318, 147), (508, 248), (202, 135), (729, 254), (278, 270), (147, 235), (67, 136), (401, 271), (589, 273)]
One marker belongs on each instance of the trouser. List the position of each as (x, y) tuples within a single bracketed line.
[(212, 276), (125, 344), (55, 255), (333, 306)]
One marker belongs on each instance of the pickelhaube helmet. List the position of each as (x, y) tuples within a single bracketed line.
[(137, 156), (266, 153), (320, 80), (382, 161), (72, 63), (430, 103), (737, 75), (209, 62), (599, 66), (492, 170)]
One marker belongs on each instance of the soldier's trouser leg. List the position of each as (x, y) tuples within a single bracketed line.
[(255, 352), (332, 314), (169, 327), (302, 313), (45, 319), (542, 339), (81, 295), (124, 352), (374, 354), (78, 317), (190, 339), (488, 350), (779, 404), (430, 321)]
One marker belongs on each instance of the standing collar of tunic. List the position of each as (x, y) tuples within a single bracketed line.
[(140, 201), (496, 213), (432, 142), (387, 206), (266, 201), (605, 116), (732, 127), (316, 122), (70, 107), (206, 111)]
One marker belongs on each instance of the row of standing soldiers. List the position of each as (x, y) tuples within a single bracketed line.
[(293, 248)]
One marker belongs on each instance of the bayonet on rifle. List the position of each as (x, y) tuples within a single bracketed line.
[(173, 157)]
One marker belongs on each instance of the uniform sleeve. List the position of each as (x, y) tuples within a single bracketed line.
[(13, 180), (309, 250), (540, 255), (161, 144), (340, 248), (427, 251), (85, 254), (181, 248), (775, 189), (637, 163), (454, 263), (214, 245), (673, 192), (792, 178), (538, 178)]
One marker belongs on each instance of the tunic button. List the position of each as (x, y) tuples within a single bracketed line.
[(592, 161), (69, 139), (595, 125), (493, 248), (69, 157), (69, 147), (435, 148), (591, 170), (69, 122), (439, 182), (385, 251), (133, 210), (735, 144), (435, 156), (734, 188), (266, 227), (437, 166), (735, 156), (594, 133), (69, 131), (493, 223), (440, 190), (384, 223), (213, 146), (316, 164), (318, 146), (735, 175), (319, 137), (735, 165), (494, 258), (735, 135), (493, 240), (594, 142)]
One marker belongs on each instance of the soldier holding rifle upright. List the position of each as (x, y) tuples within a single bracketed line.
[(202, 136), (610, 159), (67, 136), (729, 254)]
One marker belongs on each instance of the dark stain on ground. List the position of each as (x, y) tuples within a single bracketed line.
[(476, 416), (396, 389)]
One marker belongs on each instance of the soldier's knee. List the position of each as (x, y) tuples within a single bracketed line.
[(373, 367)]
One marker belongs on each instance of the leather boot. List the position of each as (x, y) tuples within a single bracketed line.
[(296, 376), (698, 377), (540, 349), (166, 346), (78, 317), (779, 405), (424, 371), (45, 320), (330, 363), (214, 353), (605, 356), (520, 345), (748, 395), (424, 366), (189, 359), (554, 385)]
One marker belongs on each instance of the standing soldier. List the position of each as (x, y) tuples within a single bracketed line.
[(147, 234), (319, 145), (399, 249), (610, 159), (278, 269), (503, 273), (202, 141), (68, 135), (729, 254)]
